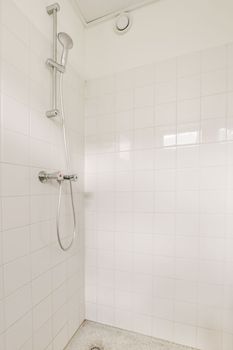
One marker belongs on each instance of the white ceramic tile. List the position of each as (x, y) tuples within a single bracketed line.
[(19, 333), (42, 312), (41, 287), (165, 114), (25, 88), (185, 313), (188, 111), (165, 136), (165, 158), (40, 262), (188, 134), (187, 179), (143, 117), (178, 235), (15, 83), (143, 160), (125, 80), (213, 154), (17, 304), (14, 185), (165, 180), (213, 59), (213, 130), (124, 101), (40, 127), (1, 282), (164, 202), (144, 138), (15, 115), (106, 104), (187, 201), (230, 80), (16, 274), (185, 333), (212, 178), (164, 223), (189, 64), (15, 243), (213, 106), (213, 82), (125, 140), (166, 70), (43, 336), (189, 87), (212, 225), (15, 212), (144, 96), (11, 43), (208, 338), (187, 224), (124, 120), (15, 148), (187, 269), (187, 247), (188, 156), (165, 92), (143, 75), (143, 181), (143, 201)]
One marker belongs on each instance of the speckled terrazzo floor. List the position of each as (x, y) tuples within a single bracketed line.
[(92, 334)]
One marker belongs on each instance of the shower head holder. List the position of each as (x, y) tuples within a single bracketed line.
[(51, 8), (51, 63)]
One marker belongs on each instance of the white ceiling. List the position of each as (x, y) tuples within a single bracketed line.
[(93, 10)]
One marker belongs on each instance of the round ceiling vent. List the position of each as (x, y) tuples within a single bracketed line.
[(123, 23)]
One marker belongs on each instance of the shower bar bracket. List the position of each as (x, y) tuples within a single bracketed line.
[(55, 65), (51, 8), (52, 113), (52, 11)]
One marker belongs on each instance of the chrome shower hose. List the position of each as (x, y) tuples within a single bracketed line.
[(67, 157)]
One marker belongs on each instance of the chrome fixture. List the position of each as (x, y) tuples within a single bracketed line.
[(44, 177), (58, 176), (52, 11), (67, 43), (55, 65)]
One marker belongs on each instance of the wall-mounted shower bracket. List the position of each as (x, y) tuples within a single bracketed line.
[(52, 113), (52, 11), (51, 8), (55, 65)]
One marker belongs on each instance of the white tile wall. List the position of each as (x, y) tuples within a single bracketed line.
[(159, 199), (41, 288)]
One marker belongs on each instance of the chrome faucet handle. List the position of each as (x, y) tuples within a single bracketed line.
[(58, 176), (44, 177), (72, 177)]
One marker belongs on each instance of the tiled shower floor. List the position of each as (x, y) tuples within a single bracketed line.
[(92, 334)]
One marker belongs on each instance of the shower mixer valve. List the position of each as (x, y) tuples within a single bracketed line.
[(58, 176)]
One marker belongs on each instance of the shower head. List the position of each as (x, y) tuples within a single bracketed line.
[(67, 44)]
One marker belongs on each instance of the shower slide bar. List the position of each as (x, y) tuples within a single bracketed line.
[(52, 11), (58, 70)]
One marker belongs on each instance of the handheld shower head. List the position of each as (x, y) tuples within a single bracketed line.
[(67, 44)]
